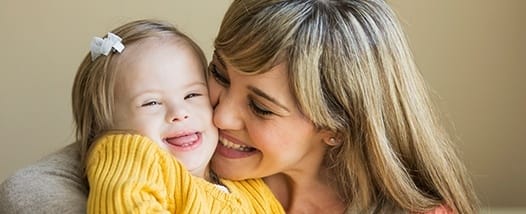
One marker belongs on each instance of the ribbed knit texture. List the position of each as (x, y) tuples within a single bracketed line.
[(131, 174)]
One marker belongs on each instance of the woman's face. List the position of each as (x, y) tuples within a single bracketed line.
[(262, 132)]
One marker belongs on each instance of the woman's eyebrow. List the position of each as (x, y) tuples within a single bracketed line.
[(219, 59), (255, 90), (267, 97)]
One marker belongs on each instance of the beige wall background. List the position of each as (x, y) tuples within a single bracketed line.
[(472, 52)]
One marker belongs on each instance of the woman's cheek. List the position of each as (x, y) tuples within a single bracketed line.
[(213, 91)]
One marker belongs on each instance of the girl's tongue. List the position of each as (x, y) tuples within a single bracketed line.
[(183, 140)]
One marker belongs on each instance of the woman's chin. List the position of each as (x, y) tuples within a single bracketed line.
[(224, 168)]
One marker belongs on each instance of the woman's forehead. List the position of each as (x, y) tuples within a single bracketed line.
[(224, 61)]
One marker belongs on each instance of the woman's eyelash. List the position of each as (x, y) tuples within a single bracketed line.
[(218, 76), (258, 109)]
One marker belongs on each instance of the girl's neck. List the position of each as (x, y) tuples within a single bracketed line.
[(212, 177)]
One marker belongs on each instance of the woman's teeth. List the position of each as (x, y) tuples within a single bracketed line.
[(234, 146)]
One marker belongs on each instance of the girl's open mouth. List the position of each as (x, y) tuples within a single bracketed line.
[(185, 141)]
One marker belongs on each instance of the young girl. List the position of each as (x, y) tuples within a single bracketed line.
[(322, 99), (147, 77)]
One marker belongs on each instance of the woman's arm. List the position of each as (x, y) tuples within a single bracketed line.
[(53, 185)]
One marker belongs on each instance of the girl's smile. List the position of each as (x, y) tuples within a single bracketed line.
[(184, 141)]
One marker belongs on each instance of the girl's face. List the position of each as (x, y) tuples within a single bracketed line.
[(161, 92), (262, 132)]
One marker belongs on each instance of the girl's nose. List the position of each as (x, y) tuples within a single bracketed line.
[(177, 114)]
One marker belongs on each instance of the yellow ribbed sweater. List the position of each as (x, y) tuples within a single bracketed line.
[(131, 174)]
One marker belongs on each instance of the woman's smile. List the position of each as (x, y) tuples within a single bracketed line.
[(229, 149)]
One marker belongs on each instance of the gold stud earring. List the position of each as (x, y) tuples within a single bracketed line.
[(333, 141)]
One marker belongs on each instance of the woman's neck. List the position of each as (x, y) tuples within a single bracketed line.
[(306, 192)]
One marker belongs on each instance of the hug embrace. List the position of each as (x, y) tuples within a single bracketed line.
[(307, 106)]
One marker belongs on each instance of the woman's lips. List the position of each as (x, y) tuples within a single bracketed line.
[(184, 142), (229, 149)]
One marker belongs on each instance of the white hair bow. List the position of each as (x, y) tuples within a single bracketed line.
[(100, 46)]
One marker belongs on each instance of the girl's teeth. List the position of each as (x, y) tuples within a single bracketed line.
[(231, 145)]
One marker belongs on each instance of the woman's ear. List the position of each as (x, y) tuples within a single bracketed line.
[(333, 141), (331, 138)]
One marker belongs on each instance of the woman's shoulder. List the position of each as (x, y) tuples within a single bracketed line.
[(441, 210), (58, 175)]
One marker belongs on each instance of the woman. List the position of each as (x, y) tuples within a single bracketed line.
[(337, 116), (323, 100)]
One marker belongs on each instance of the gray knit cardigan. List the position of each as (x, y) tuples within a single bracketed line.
[(54, 184)]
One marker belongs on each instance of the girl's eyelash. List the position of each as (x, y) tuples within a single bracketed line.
[(192, 95), (218, 76), (150, 103), (259, 110), (154, 102)]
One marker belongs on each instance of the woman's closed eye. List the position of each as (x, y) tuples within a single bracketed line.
[(259, 109), (220, 78)]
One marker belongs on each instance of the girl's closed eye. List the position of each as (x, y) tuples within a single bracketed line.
[(191, 95), (151, 103)]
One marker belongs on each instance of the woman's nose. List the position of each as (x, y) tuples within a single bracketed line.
[(228, 113)]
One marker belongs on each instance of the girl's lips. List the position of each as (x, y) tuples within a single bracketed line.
[(229, 149), (184, 142)]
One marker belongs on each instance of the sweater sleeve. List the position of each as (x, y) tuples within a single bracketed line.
[(128, 174)]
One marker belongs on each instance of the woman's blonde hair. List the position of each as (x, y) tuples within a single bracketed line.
[(93, 88), (352, 72)]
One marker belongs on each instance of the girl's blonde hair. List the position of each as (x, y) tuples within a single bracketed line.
[(352, 72), (93, 87)]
